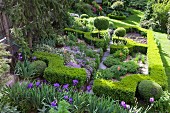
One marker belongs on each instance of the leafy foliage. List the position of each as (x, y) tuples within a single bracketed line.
[(24, 69), (41, 22), (39, 67), (110, 61), (163, 104), (4, 67)]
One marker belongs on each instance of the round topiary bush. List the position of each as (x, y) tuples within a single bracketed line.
[(120, 32), (148, 89), (84, 16), (101, 23), (39, 67), (119, 5)]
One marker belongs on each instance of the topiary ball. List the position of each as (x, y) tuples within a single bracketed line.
[(39, 67), (148, 89), (101, 23), (84, 16), (119, 5), (120, 32)]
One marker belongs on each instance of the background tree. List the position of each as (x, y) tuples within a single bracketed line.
[(37, 18)]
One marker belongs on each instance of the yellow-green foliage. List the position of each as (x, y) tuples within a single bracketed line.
[(99, 43), (4, 67), (57, 72), (126, 88)]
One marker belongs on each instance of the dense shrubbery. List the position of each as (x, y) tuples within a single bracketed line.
[(163, 104), (148, 89), (131, 66), (4, 67), (110, 61), (39, 67), (156, 15)]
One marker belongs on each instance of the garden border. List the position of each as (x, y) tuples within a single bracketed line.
[(126, 89)]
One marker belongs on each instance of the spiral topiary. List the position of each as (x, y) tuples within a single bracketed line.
[(148, 89)]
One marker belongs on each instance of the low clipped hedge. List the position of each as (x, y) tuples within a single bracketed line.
[(116, 17), (126, 89), (130, 44), (87, 36), (57, 72)]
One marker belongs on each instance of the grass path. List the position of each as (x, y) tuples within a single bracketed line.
[(164, 52)]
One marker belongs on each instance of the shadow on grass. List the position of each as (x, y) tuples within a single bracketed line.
[(166, 64), (134, 19)]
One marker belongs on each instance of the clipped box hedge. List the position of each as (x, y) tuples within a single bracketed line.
[(87, 36), (126, 88), (116, 17), (130, 44), (57, 72)]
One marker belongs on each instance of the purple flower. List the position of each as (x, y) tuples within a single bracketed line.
[(30, 85), (75, 82), (54, 103), (20, 58), (88, 88), (19, 54), (34, 58), (65, 86), (38, 84), (56, 85), (151, 100), (66, 97), (70, 100), (123, 104), (127, 106), (44, 81)]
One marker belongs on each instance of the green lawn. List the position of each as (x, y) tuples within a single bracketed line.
[(164, 52)]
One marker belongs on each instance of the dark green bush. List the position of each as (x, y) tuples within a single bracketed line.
[(114, 72), (84, 16), (131, 66), (148, 89), (101, 23), (120, 55), (116, 17), (90, 53), (110, 61), (118, 71), (120, 32), (39, 67)]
